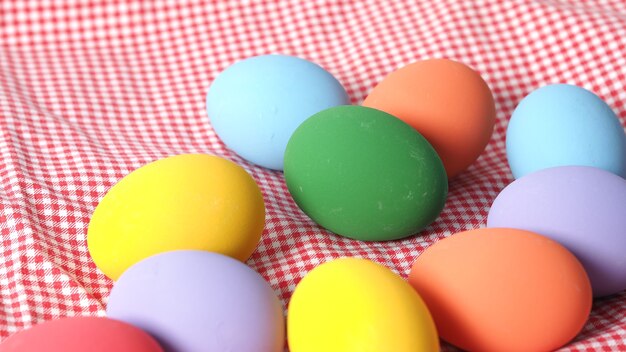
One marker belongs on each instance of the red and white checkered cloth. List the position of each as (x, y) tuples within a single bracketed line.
[(91, 90)]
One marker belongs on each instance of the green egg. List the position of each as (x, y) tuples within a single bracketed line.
[(364, 174)]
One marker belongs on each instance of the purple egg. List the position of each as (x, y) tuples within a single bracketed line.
[(199, 301), (583, 208)]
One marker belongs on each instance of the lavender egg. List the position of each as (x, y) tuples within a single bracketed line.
[(583, 208), (199, 301)]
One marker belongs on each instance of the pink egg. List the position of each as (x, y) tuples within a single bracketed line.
[(81, 334)]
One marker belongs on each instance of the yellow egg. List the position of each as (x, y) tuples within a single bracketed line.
[(189, 201), (350, 305)]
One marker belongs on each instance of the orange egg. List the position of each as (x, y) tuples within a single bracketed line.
[(501, 289), (444, 100)]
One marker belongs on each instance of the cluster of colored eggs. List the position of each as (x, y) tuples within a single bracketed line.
[(373, 172), (486, 290), (174, 233)]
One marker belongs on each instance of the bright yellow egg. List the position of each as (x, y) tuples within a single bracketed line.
[(189, 201), (355, 305)]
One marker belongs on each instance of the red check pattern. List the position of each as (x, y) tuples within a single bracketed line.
[(91, 89)]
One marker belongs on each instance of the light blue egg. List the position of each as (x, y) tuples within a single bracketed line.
[(560, 125), (256, 104)]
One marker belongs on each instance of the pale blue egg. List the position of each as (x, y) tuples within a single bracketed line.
[(561, 125), (256, 104)]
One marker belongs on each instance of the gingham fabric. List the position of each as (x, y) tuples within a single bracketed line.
[(91, 90)]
